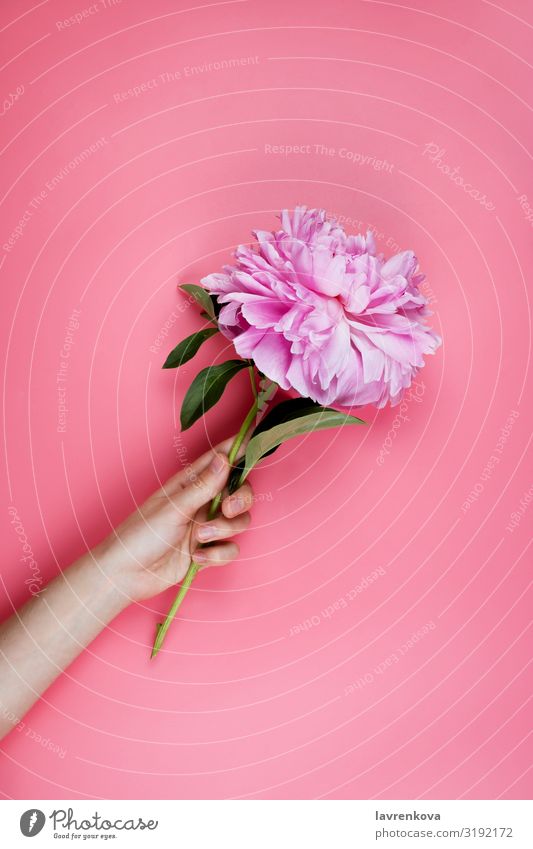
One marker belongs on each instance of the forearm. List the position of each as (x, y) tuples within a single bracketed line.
[(148, 553), (41, 639)]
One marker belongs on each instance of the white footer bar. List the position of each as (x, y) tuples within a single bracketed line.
[(274, 824)]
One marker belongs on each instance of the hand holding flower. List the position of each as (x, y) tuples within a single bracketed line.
[(314, 311), (149, 552), (152, 549)]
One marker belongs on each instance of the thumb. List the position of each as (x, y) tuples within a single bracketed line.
[(202, 488)]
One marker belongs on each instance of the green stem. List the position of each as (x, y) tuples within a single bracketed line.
[(162, 629), (251, 372), (194, 567), (234, 450)]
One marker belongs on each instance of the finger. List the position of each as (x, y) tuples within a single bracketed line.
[(203, 487), (216, 555), (201, 463), (224, 447), (238, 502), (184, 476), (222, 528)]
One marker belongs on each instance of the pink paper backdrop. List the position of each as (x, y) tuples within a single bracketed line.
[(371, 641)]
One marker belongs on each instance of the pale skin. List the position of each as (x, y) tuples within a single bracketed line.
[(148, 553)]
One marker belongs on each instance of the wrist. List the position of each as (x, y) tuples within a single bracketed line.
[(104, 595)]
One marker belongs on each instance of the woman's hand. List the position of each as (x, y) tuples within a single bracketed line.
[(147, 553), (152, 549)]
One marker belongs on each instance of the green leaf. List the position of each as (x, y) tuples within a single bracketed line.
[(203, 298), (285, 411), (190, 346), (285, 421), (206, 389)]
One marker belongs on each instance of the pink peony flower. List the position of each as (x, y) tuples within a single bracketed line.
[(320, 312)]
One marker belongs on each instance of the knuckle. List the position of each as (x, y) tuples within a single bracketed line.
[(203, 483), (198, 482)]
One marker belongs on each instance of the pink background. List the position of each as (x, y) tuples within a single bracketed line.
[(242, 703)]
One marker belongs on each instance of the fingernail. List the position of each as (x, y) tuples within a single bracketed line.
[(218, 463), (206, 532), (199, 557), (237, 504)]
